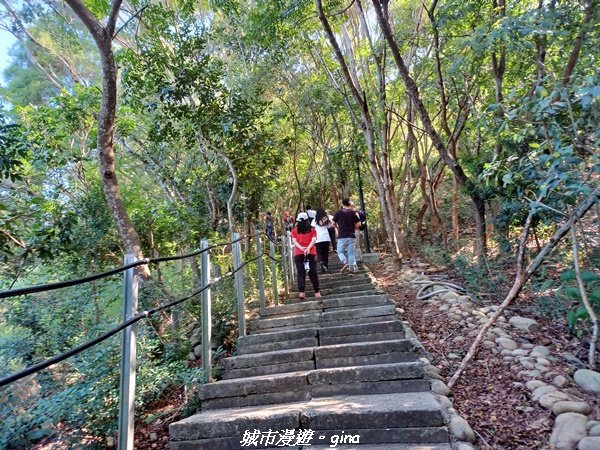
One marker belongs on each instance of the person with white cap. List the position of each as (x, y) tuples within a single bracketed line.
[(304, 238), (347, 222)]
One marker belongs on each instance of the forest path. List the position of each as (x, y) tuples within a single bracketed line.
[(337, 371)]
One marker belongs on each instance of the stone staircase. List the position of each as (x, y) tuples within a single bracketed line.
[(337, 369)]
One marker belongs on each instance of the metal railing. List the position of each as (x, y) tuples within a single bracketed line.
[(130, 314)]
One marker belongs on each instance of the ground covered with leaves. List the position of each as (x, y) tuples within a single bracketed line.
[(489, 395)]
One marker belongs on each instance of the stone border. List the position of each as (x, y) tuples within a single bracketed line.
[(554, 391), (461, 434)]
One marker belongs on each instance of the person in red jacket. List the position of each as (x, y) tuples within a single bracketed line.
[(304, 237)]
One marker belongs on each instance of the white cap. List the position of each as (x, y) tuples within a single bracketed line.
[(302, 216)]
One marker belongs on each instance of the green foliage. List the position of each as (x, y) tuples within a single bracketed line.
[(569, 288)]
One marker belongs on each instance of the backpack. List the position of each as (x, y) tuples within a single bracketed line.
[(363, 220)]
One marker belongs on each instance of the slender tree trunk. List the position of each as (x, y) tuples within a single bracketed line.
[(590, 8), (385, 197), (455, 222), (106, 126), (413, 91)]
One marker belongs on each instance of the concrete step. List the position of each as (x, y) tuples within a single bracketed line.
[(404, 418), (326, 295), (358, 320), (312, 318), (324, 303), (365, 353), (312, 337), (277, 340), (258, 390), (350, 286), (333, 380), (380, 331)]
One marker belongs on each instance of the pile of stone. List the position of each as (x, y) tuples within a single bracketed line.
[(535, 365)]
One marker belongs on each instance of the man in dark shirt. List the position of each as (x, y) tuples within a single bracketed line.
[(346, 221)]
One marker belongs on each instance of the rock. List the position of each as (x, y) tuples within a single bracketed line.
[(524, 324), (506, 343), (502, 319), (507, 352), (559, 381), (499, 332), (589, 443), (198, 351), (519, 352), (592, 423), (153, 436), (595, 430), (110, 442), (453, 356), (488, 344), (574, 361), (550, 399), (543, 351), (530, 373), (191, 356), (440, 388), (444, 308), (549, 375), (541, 391), (458, 339), (575, 407), (460, 429), (543, 361), (569, 429), (534, 384), (527, 364), (432, 336), (464, 446), (542, 368), (517, 385), (588, 380)]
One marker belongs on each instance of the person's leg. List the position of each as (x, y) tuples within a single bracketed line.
[(326, 255), (312, 274), (301, 274), (357, 250), (342, 244), (351, 257), (332, 237), (322, 248)]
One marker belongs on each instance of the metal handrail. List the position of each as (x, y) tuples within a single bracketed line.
[(142, 315), (131, 317), (87, 279)]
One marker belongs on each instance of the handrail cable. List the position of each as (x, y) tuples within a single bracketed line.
[(63, 284), (141, 315)]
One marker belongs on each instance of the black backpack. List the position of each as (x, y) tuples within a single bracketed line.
[(363, 220)]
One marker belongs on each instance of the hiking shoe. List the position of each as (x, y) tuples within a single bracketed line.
[(301, 296), (344, 267), (351, 273), (317, 294)]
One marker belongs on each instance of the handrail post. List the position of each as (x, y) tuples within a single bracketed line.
[(284, 268), (274, 273), (128, 355), (206, 313), (261, 272), (239, 284), (291, 256)]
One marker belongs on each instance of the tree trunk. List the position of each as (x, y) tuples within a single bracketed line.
[(455, 223), (106, 127), (386, 198), (413, 92)]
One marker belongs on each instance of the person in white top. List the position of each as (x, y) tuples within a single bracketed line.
[(311, 212), (321, 224)]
